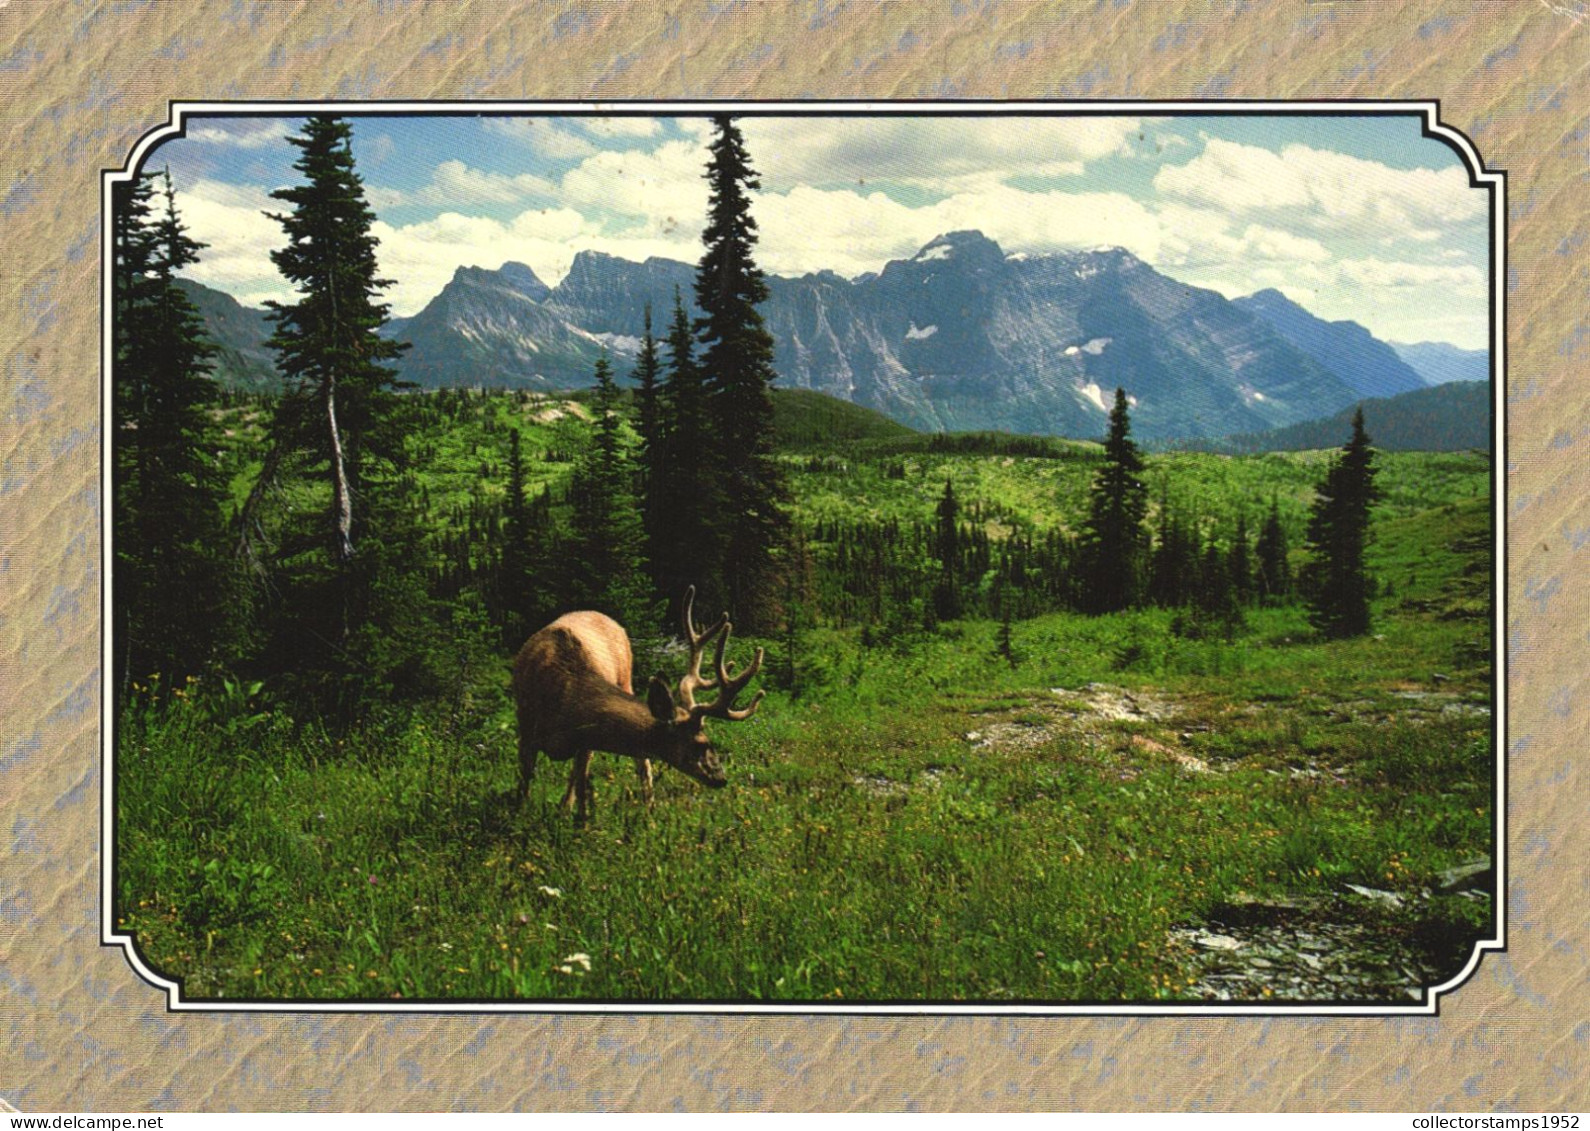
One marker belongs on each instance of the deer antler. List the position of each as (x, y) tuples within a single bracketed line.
[(692, 681), (723, 706)]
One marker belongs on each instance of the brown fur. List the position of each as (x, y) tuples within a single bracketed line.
[(572, 683)]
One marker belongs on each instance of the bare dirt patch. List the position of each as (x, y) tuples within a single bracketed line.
[(1091, 714)]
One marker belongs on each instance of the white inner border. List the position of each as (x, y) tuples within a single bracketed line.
[(1429, 110)]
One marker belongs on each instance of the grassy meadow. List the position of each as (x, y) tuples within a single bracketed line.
[(923, 816)]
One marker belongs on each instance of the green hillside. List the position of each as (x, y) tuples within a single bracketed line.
[(1036, 807), (1445, 418), (804, 418)]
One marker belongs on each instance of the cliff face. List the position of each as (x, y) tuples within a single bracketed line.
[(1370, 367), (960, 336)]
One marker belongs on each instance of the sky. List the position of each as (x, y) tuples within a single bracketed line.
[(1356, 217)]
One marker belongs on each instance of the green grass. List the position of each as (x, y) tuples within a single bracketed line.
[(866, 849)]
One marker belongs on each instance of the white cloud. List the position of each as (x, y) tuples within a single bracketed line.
[(455, 183), (241, 133), (943, 154), (1345, 236), (1324, 189), (662, 191), (545, 136), (1384, 274), (231, 221), (808, 229), (620, 127)]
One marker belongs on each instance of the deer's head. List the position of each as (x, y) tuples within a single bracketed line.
[(682, 739)]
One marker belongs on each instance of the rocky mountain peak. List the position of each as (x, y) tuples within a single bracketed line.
[(967, 245), (521, 278)]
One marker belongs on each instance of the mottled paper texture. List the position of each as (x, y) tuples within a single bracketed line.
[(82, 80)]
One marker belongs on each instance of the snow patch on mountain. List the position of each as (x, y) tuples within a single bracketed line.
[(616, 343)]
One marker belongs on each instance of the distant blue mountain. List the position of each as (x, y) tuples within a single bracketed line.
[(1363, 362), (1452, 417), (958, 337), (1439, 363)]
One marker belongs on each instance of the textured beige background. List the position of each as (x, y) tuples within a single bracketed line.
[(81, 81)]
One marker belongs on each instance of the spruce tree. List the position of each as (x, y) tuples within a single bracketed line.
[(1239, 562), (338, 408), (607, 541), (1172, 563), (1114, 540), (515, 582), (1274, 573), (947, 548), (737, 360), (174, 596), (684, 493), (1336, 584), (650, 424), (351, 608), (1215, 601)]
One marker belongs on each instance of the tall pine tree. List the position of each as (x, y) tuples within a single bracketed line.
[(1274, 572), (947, 548), (174, 595), (1335, 582), (351, 598), (737, 360), (1114, 540), (650, 423), (685, 493), (1172, 565), (607, 540), (516, 582)]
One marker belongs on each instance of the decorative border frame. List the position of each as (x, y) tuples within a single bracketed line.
[(1429, 110)]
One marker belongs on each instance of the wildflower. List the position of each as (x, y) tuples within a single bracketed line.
[(550, 893), (373, 880), (582, 960)]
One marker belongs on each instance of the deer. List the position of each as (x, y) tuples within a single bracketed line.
[(573, 695)]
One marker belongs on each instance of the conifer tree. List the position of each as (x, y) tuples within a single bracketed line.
[(338, 408), (1335, 581), (1274, 572), (1114, 539), (173, 588), (685, 490), (1239, 562), (737, 360), (1216, 600), (947, 548), (607, 541), (1172, 563), (650, 423), (515, 582), (348, 569)]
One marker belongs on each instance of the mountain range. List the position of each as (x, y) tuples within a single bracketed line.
[(1451, 417), (1439, 363), (961, 336)]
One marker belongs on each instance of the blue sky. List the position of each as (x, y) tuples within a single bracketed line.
[(1356, 218)]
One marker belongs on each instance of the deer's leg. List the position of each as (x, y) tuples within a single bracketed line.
[(527, 764), (572, 793), (643, 771), (578, 795)]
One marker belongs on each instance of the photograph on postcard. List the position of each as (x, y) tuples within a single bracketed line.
[(770, 557)]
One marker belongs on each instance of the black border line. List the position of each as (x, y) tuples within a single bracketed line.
[(1428, 110)]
